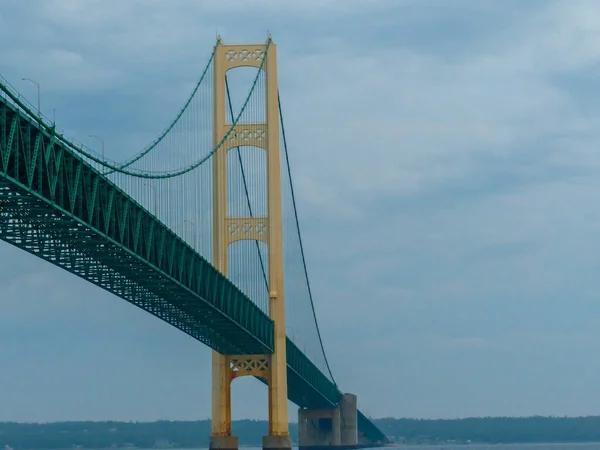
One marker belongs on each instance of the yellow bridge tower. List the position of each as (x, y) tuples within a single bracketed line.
[(273, 367)]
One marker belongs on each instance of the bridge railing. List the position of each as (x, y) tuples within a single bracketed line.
[(12, 95)]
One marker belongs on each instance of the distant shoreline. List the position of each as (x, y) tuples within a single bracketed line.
[(112, 435)]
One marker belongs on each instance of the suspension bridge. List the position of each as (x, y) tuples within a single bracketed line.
[(200, 229)]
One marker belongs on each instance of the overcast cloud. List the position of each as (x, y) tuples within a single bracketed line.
[(447, 162)]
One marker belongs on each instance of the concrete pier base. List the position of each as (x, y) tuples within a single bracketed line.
[(320, 429), (349, 420), (277, 443), (223, 443)]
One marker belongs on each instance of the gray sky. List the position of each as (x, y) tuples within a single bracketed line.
[(447, 161)]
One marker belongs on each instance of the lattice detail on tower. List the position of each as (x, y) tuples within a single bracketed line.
[(241, 55), (245, 55), (249, 365), (254, 228), (246, 135)]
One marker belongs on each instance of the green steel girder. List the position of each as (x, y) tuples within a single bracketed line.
[(57, 207), (369, 430), (312, 389), (308, 387)]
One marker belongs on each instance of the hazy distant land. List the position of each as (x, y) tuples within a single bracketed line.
[(166, 434)]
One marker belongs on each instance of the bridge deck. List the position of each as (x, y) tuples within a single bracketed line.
[(59, 208)]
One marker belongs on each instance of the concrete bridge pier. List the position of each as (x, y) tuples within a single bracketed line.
[(320, 429), (223, 443), (349, 420)]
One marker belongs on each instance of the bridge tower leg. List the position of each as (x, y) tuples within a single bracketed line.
[(273, 367)]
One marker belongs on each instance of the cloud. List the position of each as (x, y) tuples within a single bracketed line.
[(445, 164)]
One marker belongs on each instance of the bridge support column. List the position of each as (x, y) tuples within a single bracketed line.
[(319, 428), (226, 229), (326, 428), (223, 443), (271, 442), (349, 423)]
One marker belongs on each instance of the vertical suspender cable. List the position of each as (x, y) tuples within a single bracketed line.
[(262, 265), (287, 160)]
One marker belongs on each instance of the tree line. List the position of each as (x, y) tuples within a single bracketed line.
[(194, 434), (495, 429), (105, 435)]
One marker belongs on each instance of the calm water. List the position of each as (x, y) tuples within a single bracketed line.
[(595, 446)]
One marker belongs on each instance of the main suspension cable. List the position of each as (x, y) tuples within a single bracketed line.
[(51, 129), (287, 160), (158, 140)]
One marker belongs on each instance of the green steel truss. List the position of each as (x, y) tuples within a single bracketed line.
[(369, 430), (57, 207)]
